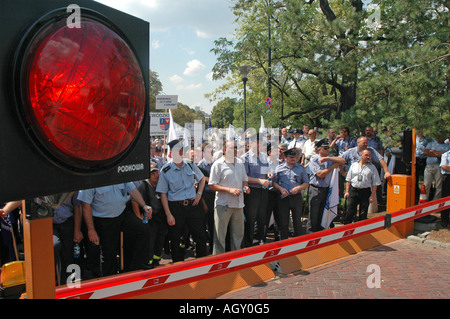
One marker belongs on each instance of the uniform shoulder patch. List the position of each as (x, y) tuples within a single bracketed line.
[(165, 169)]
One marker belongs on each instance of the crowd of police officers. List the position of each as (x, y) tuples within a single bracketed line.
[(223, 195)]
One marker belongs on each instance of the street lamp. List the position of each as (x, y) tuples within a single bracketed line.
[(245, 69)]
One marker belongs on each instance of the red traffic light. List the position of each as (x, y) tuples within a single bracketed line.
[(73, 98), (84, 91)]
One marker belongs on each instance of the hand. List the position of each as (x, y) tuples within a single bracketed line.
[(93, 237), (372, 199), (3, 214), (170, 220), (284, 192), (197, 199), (323, 159), (387, 176), (78, 236), (264, 182), (246, 189), (295, 190), (235, 191), (346, 195)]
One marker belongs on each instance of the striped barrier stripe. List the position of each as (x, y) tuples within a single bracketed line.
[(142, 282)]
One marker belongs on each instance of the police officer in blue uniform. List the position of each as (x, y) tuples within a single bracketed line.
[(256, 165), (321, 166), (181, 200), (106, 215), (290, 180)]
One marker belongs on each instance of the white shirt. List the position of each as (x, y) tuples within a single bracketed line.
[(363, 177), (228, 175), (309, 149), (297, 143)]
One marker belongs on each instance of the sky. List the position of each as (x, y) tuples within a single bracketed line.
[(182, 33)]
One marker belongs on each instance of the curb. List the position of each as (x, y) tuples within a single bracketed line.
[(422, 239)]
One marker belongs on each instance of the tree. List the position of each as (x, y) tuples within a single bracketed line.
[(184, 114), (223, 113), (156, 88), (331, 65)]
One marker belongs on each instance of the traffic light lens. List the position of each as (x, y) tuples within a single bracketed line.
[(86, 92)]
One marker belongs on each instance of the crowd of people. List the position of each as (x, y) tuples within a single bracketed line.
[(227, 193)]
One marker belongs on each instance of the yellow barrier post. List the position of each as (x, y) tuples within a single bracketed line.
[(39, 258)]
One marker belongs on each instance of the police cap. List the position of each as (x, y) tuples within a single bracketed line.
[(172, 143), (323, 142), (292, 152), (153, 168)]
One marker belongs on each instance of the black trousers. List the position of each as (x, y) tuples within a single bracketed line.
[(209, 197), (420, 169), (255, 211), (192, 216), (63, 246), (272, 208), (136, 241), (294, 204), (445, 193), (317, 200), (157, 227), (357, 196)]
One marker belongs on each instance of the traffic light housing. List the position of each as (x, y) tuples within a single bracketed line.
[(73, 97)]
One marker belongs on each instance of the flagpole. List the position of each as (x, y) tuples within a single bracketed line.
[(164, 145)]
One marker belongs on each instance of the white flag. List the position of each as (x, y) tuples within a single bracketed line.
[(262, 128), (172, 135), (230, 133), (331, 206)]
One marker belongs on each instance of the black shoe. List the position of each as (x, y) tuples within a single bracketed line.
[(147, 266)]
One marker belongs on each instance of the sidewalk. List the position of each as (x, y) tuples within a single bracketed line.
[(408, 270)]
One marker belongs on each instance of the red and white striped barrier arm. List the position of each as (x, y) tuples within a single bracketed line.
[(142, 282)]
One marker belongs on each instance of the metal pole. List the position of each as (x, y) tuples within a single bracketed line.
[(245, 103)]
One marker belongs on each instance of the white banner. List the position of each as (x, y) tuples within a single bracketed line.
[(164, 102)]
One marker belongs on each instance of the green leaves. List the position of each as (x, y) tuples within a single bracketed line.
[(331, 65)]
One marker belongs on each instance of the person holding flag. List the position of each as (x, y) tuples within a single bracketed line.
[(320, 165)]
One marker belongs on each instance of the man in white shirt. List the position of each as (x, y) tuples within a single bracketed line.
[(298, 140), (361, 184), (229, 180), (309, 148)]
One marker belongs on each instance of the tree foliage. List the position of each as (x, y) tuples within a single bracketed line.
[(335, 62), (156, 88)]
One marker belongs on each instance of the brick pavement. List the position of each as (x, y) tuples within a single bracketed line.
[(409, 270)]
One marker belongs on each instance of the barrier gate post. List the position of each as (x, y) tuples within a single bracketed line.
[(399, 196)]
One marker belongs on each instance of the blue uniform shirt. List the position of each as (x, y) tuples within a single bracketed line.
[(66, 209), (352, 155), (203, 164), (421, 145), (107, 201), (314, 167), (436, 147), (178, 183), (256, 167), (445, 160), (375, 143), (341, 144), (289, 178)]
